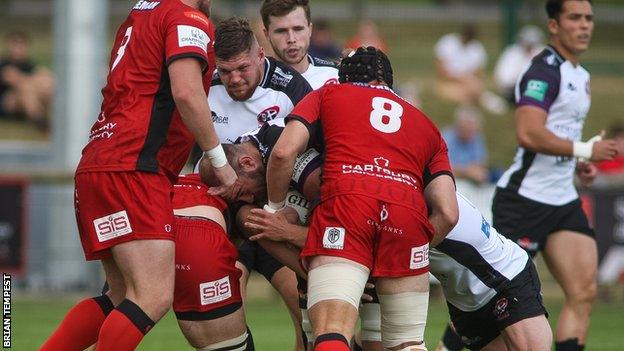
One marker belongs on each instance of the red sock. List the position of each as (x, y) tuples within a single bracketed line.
[(124, 328), (80, 327), (331, 342)]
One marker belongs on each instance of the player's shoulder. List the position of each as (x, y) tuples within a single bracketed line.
[(320, 62), (547, 61), (283, 78), (178, 13)]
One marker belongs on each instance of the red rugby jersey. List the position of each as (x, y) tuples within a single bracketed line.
[(376, 144), (190, 191), (139, 127)]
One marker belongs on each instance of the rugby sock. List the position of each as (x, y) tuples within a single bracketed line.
[(452, 341), (250, 342), (331, 342), (569, 345), (80, 327), (124, 328)]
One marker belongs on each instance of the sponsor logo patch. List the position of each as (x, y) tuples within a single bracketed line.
[(192, 36), (419, 257), (334, 238), (215, 291), (146, 5), (197, 16), (268, 114), (112, 226), (536, 89)]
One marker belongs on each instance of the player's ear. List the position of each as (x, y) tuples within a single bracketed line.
[(247, 163), (261, 53), (553, 26)]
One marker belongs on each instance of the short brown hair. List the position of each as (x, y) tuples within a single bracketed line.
[(279, 8), (233, 36)]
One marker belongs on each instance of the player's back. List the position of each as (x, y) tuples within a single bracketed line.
[(138, 115), (376, 143)]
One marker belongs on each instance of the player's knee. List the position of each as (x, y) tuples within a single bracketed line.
[(403, 320), (370, 317), (243, 342), (337, 281), (583, 294)]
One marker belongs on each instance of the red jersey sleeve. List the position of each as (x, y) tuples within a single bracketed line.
[(439, 163), (308, 112), (187, 34)]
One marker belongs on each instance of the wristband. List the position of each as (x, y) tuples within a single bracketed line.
[(273, 207), (216, 156), (583, 150)]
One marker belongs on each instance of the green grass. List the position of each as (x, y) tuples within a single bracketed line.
[(33, 321)]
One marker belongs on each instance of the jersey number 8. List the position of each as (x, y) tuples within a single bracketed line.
[(386, 115)]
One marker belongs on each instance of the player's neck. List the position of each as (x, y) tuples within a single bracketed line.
[(302, 66), (574, 58)]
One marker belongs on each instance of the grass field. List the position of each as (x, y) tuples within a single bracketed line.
[(34, 319)]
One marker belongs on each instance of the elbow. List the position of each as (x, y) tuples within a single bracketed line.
[(450, 217), (281, 154), (525, 141), (183, 96)]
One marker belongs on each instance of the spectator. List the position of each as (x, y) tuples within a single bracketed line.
[(367, 35), (460, 62), (616, 165), (515, 58), (322, 43), (26, 90), (466, 146)]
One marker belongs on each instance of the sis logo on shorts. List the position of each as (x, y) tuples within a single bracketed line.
[(334, 238), (112, 226), (215, 291), (419, 257)]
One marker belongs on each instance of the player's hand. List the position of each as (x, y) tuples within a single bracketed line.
[(271, 226), (230, 186), (604, 150), (586, 173)]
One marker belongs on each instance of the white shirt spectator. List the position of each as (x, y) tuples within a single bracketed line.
[(517, 57), (459, 59)]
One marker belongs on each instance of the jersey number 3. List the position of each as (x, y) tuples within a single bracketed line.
[(386, 115), (122, 48)]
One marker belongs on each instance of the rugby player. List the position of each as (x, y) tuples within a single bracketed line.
[(247, 91), (363, 181), (207, 300), (288, 27), (154, 106), (535, 203)]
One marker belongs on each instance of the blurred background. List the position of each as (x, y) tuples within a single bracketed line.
[(53, 63)]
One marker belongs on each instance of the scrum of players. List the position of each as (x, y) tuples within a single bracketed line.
[(344, 201)]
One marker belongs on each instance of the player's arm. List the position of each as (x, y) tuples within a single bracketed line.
[(293, 141), (281, 250), (443, 209), (190, 98), (532, 134)]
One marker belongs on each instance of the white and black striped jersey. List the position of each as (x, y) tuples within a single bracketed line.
[(474, 262), (561, 89), (320, 72), (279, 91)]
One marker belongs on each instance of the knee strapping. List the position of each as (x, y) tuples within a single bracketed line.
[(239, 343), (337, 281), (403, 318), (370, 319)]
